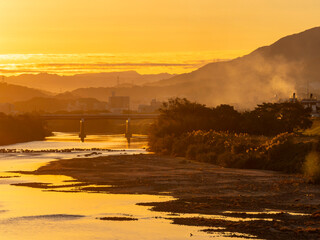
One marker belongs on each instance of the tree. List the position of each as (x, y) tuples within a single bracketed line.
[(178, 116), (226, 118), (273, 118)]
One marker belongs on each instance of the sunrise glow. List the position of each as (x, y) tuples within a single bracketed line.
[(146, 36)]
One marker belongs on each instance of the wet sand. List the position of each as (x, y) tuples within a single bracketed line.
[(269, 205)]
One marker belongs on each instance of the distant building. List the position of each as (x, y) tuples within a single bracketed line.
[(153, 107), (310, 102), (118, 104), (293, 99)]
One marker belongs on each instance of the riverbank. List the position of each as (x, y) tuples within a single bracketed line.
[(280, 206), (21, 128)]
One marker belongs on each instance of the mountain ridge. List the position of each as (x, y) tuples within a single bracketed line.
[(57, 83), (266, 74), (10, 93)]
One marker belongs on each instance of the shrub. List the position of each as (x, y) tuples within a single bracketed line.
[(192, 151), (179, 147), (226, 159), (209, 157), (311, 167)]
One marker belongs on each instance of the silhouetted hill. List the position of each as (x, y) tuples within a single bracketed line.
[(10, 93), (300, 46), (268, 73), (57, 83)]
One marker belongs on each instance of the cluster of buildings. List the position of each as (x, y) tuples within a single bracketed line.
[(115, 104), (310, 102), (120, 104)]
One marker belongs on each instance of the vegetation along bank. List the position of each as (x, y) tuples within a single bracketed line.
[(269, 137)]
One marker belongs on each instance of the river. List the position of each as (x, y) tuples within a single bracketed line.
[(31, 213)]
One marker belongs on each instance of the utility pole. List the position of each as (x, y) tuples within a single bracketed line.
[(307, 88)]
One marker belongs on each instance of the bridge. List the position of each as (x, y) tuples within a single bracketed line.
[(83, 117)]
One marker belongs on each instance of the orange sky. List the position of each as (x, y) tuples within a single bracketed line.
[(150, 26)]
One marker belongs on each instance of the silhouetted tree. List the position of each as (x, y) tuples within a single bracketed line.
[(273, 118), (178, 116), (226, 118)]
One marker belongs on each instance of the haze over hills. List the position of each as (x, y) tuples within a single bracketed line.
[(268, 73), (10, 93), (15, 98), (57, 83)]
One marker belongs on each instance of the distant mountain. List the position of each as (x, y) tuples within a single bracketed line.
[(289, 65), (57, 83), (10, 93), (292, 64)]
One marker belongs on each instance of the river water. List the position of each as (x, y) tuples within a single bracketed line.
[(31, 213)]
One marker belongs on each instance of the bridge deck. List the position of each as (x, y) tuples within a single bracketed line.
[(98, 116)]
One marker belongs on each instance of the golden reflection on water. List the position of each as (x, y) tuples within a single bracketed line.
[(71, 140), (34, 214)]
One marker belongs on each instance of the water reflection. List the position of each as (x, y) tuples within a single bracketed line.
[(31, 213), (71, 140), (35, 214), (32, 155)]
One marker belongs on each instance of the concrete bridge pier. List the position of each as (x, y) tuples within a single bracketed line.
[(128, 133), (82, 133)]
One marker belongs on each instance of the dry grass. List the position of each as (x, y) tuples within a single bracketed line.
[(312, 167)]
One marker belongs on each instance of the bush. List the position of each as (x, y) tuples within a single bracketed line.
[(192, 151), (282, 153), (311, 167), (231, 160), (285, 152), (209, 157), (225, 159), (179, 147)]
